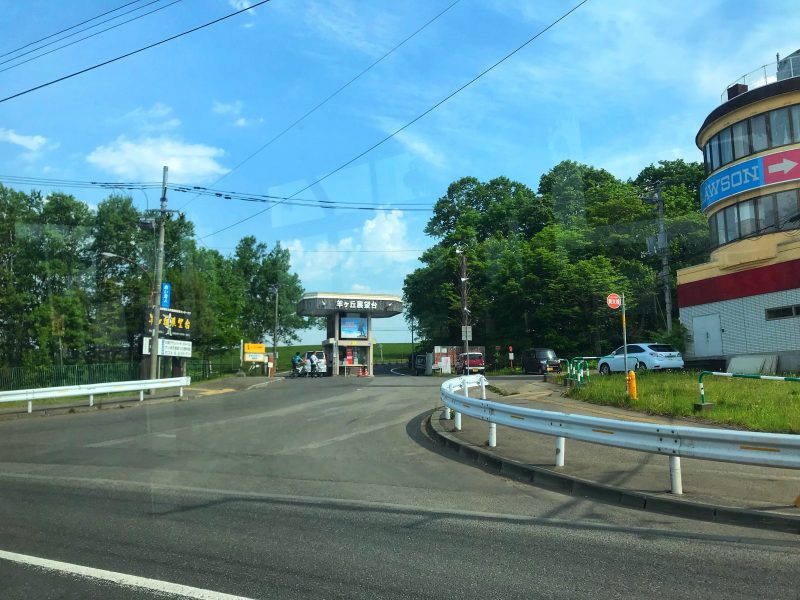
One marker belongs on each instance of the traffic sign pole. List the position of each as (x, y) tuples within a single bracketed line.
[(625, 342)]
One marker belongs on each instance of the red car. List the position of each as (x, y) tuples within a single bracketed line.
[(471, 362)]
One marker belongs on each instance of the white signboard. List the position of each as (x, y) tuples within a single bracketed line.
[(254, 357), (466, 333), (169, 347)]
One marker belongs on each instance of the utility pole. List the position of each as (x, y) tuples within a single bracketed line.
[(274, 289), (464, 308), (662, 249), (159, 275)]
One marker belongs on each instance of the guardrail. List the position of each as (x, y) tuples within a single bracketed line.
[(739, 375), (723, 445), (91, 389)]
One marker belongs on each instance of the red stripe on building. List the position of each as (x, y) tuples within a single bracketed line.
[(762, 280)]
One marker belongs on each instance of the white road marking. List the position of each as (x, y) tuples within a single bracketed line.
[(121, 579), (341, 438), (278, 412), (392, 371)]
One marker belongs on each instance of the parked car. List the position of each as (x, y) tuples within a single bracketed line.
[(645, 355), (471, 362), (322, 366), (540, 360)]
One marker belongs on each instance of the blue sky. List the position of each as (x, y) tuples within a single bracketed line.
[(617, 84)]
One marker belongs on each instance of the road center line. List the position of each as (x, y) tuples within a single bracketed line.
[(121, 579)]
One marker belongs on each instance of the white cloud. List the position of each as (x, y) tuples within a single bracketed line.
[(242, 5), (29, 142), (387, 231), (360, 289), (227, 108), (351, 24), (326, 264), (144, 159), (156, 118)]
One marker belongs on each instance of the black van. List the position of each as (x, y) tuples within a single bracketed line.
[(540, 360)]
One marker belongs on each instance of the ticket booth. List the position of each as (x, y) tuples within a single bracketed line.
[(349, 318)]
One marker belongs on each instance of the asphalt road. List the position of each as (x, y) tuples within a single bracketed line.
[(326, 488)]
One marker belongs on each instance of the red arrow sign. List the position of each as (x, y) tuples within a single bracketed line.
[(614, 301), (781, 166)]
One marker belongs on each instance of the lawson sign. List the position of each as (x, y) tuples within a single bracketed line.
[(750, 174)]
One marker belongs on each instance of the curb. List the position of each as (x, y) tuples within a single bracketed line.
[(575, 486)]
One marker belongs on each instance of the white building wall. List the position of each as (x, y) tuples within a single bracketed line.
[(745, 329)]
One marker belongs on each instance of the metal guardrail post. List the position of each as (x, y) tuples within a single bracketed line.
[(141, 395), (91, 399), (492, 425), (457, 418), (561, 443), (676, 483)]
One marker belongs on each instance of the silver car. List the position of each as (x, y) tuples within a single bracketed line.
[(642, 355)]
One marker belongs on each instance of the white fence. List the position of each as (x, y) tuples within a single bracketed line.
[(745, 447), (90, 390)]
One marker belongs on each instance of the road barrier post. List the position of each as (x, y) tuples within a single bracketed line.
[(457, 419), (561, 444), (676, 483), (492, 426), (91, 399)]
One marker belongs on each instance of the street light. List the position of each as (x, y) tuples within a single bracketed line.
[(135, 264), (154, 336)]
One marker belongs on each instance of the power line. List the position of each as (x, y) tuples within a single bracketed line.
[(326, 100), (112, 60), (226, 195), (69, 28), (414, 120), (14, 66)]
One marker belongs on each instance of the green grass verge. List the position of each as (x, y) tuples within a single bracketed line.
[(758, 405)]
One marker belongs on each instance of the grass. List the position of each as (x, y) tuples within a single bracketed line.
[(757, 405)]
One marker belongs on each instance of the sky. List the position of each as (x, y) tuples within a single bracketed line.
[(615, 84)]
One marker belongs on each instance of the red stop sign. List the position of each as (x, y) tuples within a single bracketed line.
[(614, 301)]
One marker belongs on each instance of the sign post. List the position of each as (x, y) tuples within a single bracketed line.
[(614, 301)]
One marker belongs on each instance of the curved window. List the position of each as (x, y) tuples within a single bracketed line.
[(755, 217), (772, 129)]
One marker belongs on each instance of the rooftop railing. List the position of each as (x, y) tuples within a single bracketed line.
[(785, 68)]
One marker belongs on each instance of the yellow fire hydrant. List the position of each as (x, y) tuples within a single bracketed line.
[(631, 381)]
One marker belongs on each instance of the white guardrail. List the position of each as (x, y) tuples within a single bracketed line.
[(91, 389), (724, 445)]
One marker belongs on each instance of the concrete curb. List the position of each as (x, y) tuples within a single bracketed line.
[(575, 486)]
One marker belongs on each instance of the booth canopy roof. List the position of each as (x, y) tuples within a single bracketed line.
[(322, 304)]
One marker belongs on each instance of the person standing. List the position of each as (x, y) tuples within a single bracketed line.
[(314, 364)]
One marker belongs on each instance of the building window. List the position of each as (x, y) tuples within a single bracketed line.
[(787, 209), (758, 127), (731, 224), (747, 218), (712, 228), (715, 164), (779, 127), (721, 237), (726, 147), (741, 139), (795, 114), (782, 312), (766, 214)]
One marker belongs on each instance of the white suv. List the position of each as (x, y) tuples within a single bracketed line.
[(322, 367), (647, 355)]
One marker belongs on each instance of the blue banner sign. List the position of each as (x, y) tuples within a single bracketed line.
[(166, 293), (733, 180)]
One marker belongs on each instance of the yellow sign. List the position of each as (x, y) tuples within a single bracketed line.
[(255, 348)]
